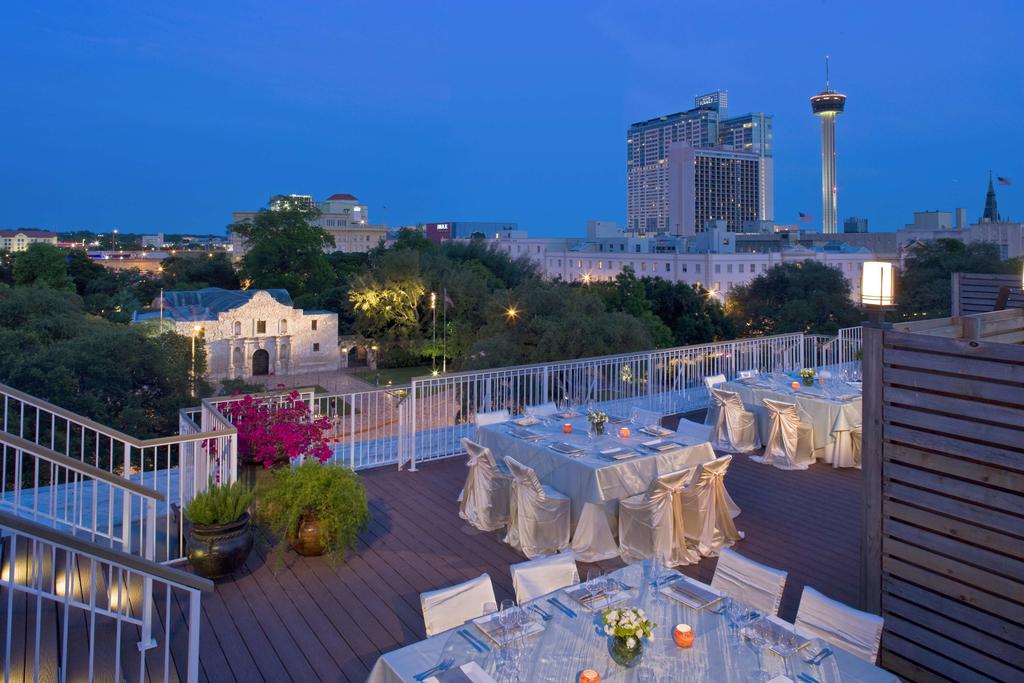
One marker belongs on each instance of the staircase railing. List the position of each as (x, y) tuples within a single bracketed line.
[(94, 601), (176, 466)]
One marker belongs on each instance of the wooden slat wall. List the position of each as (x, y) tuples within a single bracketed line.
[(977, 292), (952, 507)]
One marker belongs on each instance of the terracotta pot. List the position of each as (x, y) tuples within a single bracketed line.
[(217, 550), (307, 539)]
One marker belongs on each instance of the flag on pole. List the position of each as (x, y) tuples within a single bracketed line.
[(1003, 181), (806, 217), (447, 299)]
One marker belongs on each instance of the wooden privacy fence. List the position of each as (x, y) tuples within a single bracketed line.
[(943, 546), (977, 292)]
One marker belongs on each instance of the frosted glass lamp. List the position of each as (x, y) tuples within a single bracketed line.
[(876, 284)]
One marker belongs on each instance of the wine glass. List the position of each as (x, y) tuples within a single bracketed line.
[(593, 584), (507, 616)]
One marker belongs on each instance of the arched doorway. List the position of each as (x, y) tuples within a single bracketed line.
[(260, 362), (357, 356)]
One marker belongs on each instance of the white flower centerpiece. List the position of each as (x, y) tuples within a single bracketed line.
[(598, 420), (627, 629), (807, 375)]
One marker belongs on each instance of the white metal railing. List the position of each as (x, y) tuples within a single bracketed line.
[(442, 408), (97, 602), (176, 466)]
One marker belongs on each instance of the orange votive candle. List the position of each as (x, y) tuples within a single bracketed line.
[(567, 428), (590, 676), (795, 385), (683, 635), (624, 432)]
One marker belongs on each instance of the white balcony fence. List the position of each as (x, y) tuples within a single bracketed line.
[(177, 467), (92, 608), (426, 419)]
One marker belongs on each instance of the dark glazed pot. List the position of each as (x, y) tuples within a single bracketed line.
[(219, 549), (307, 539)]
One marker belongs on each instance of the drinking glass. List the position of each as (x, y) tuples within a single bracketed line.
[(593, 584), (507, 616)]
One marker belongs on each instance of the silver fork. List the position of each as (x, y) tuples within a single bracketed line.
[(443, 665), (543, 615)]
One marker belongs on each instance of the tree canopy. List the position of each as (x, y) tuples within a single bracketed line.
[(115, 374), (285, 250), (806, 296), (923, 287)]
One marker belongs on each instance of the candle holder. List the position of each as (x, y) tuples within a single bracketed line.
[(567, 428), (683, 635), (795, 386), (624, 432), (590, 676)]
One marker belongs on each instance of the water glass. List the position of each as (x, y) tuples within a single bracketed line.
[(507, 616)]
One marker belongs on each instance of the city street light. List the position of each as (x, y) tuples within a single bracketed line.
[(196, 329), (876, 290), (511, 313)]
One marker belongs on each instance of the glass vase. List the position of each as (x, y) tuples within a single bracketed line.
[(622, 655)]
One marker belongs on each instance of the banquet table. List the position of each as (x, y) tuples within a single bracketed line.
[(833, 409), (568, 645), (593, 482)]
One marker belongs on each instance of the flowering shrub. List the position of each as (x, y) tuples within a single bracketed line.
[(630, 624), (276, 434)]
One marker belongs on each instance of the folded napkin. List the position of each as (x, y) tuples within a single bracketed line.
[(521, 433), (527, 421), (467, 673), (781, 679)]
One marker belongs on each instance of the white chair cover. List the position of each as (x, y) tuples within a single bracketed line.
[(857, 632), (712, 381), (692, 432), (542, 410), (752, 583), (709, 509), (453, 606), (484, 501), (496, 417), (652, 524), (535, 578), (734, 428), (539, 516), (790, 444)]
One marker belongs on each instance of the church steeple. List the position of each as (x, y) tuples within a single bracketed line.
[(991, 214)]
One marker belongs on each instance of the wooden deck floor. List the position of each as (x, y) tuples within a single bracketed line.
[(307, 620)]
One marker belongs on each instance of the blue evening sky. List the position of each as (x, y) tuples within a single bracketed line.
[(168, 116)]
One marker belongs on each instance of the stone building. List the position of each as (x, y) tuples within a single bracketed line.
[(252, 333)]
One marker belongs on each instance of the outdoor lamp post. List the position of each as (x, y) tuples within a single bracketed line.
[(876, 289), (196, 329)]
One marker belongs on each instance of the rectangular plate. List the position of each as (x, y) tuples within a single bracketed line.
[(691, 594), (527, 421), (567, 414), (616, 419), (656, 430), (490, 627), (563, 447), (661, 445), (618, 454), (780, 639), (600, 602), (521, 433)]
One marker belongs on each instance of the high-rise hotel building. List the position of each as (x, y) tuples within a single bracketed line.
[(688, 168)]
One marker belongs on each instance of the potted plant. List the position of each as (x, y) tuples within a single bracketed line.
[(276, 432), (316, 508), (219, 535)]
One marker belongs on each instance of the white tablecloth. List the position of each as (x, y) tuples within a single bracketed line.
[(593, 483), (569, 645), (830, 416)]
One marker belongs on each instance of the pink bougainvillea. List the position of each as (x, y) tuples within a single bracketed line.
[(276, 433)]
